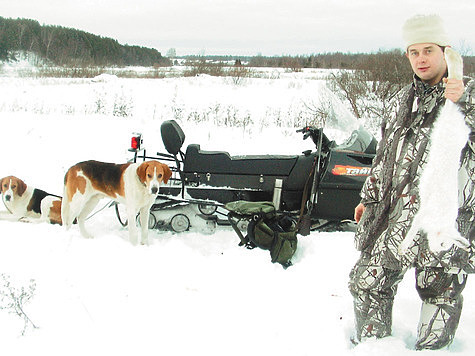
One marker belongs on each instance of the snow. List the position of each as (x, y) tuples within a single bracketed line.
[(187, 293)]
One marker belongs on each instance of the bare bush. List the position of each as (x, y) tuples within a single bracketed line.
[(69, 72), (322, 113), (371, 89), (219, 115), (239, 73), (292, 64), (350, 86), (13, 300), (123, 105), (202, 66)]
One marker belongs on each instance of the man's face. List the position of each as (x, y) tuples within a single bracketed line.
[(427, 61)]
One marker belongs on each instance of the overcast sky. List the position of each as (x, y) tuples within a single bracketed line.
[(249, 27)]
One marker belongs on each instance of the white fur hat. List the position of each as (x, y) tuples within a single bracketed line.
[(424, 29)]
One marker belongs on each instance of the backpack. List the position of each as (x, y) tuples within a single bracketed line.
[(266, 229)]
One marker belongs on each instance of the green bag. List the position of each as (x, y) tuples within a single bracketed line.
[(267, 229), (261, 234), (278, 235), (264, 209), (285, 245)]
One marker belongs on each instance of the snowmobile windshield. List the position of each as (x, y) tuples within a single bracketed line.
[(360, 140), (346, 131), (339, 123)]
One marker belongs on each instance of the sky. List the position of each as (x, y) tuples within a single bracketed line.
[(250, 27)]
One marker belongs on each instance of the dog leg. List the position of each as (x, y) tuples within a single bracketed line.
[(31, 220), (132, 225), (144, 217), (46, 207), (65, 210), (4, 215), (87, 209)]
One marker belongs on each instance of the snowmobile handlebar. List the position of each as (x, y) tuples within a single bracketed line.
[(314, 133)]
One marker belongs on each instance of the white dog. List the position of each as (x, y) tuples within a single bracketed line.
[(133, 184), (28, 204)]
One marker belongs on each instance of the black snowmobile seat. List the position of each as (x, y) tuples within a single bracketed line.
[(220, 162), (172, 136)]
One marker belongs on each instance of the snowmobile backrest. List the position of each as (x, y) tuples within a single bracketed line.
[(172, 136)]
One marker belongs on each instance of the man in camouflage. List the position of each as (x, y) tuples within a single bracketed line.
[(390, 200)]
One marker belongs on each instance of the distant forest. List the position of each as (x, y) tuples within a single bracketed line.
[(393, 59), (65, 46), (333, 60)]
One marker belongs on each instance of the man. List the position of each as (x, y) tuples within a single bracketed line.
[(390, 200)]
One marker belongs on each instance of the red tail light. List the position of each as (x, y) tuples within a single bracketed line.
[(136, 141)]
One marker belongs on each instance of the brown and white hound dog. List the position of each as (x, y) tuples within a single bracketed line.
[(132, 184), (28, 204)]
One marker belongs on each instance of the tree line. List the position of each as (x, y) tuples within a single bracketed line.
[(65, 46), (394, 59)]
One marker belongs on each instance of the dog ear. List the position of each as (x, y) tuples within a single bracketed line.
[(1, 184), (167, 173), (21, 187), (142, 172)]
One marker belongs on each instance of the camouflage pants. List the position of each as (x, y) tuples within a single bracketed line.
[(374, 287)]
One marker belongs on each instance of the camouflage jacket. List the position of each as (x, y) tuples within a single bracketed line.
[(390, 193)]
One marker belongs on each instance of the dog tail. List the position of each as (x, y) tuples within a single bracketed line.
[(65, 204)]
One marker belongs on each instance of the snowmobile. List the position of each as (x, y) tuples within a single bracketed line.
[(318, 188)]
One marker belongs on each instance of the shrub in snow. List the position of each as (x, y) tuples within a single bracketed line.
[(13, 299)]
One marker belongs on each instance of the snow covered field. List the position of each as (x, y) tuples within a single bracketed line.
[(187, 293)]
